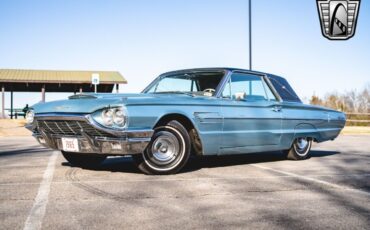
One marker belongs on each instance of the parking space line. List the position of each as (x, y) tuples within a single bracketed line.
[(306, 178), (191, 179), (36, 215)]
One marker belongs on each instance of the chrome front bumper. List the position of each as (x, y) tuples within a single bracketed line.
[(118, 142)]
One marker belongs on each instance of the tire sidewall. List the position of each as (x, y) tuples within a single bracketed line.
[(149, 167), (305, 152), (294, 154)]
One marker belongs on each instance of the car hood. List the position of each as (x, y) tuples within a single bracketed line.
[(89, 103)]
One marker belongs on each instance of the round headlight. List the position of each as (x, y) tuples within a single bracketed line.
[(107, 117), (30, 115), (119, 117)]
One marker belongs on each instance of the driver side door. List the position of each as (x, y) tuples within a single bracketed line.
[(252, 117)]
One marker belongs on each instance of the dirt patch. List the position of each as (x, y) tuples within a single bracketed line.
[(13, 128)]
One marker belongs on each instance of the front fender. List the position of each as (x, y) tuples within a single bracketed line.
[(206, 123)]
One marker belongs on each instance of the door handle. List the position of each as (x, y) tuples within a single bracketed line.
[(276, 109)]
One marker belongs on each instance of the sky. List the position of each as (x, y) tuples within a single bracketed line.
[(143, 38)]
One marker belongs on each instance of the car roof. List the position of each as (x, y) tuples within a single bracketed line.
[(280, 84), (211, 69)]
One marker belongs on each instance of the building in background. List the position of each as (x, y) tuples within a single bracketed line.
[(43, 81)]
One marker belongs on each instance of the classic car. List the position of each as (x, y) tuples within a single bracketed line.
[(208, 111)]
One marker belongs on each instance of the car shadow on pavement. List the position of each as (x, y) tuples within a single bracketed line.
[(127, 165), (252, 158), (29, 151), (113, 164)]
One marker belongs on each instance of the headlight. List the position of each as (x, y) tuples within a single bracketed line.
[(113, 117), (30, 115), (107, 117), (119, 118)]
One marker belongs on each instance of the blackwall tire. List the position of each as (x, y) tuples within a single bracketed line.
[(83, 160), (168, 151)]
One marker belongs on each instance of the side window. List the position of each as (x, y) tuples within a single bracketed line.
[(247, 87)]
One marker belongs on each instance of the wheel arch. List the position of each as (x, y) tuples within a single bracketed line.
[(305, 130), (185, 121)]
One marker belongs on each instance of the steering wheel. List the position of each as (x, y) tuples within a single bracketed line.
[(209, 92)]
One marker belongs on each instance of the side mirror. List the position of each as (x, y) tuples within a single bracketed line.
[(240, 96)]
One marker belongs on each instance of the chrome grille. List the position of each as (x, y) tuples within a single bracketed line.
[(70, 128)]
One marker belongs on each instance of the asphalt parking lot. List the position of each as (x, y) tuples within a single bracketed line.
[(38, 188)]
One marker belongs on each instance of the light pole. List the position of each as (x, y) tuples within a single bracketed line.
[(250, 34)]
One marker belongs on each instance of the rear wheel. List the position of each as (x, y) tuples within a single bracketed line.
[(167, 152), (300, 149), (83, 160)]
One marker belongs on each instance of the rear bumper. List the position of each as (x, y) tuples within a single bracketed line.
[(116, 142)]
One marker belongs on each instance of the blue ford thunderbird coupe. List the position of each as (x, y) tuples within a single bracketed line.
[(213, 111)]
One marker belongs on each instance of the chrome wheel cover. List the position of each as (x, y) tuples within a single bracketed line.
[(165, 148), (302, 143), (302, 146)]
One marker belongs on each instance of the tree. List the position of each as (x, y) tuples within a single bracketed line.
[(350, 102), (315, 100)]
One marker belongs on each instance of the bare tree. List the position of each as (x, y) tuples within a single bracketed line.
[(352, 101), (315, 100), (363, 99)]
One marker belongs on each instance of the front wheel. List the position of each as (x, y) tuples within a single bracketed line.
[(83, 160), (167, 152), (300, 149)]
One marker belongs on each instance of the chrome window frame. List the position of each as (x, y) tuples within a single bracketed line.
[(264, 78)]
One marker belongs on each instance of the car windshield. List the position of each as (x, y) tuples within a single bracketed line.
[(204, 83)]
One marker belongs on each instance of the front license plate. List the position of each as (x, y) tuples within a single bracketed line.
[(70, 144)]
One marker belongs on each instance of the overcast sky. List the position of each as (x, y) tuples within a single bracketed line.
[(143, 38)]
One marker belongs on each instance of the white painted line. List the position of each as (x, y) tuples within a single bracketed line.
[(189, 179), (312, 179), (36, 215)]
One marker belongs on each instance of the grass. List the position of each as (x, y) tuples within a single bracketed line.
[(350, 130)]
